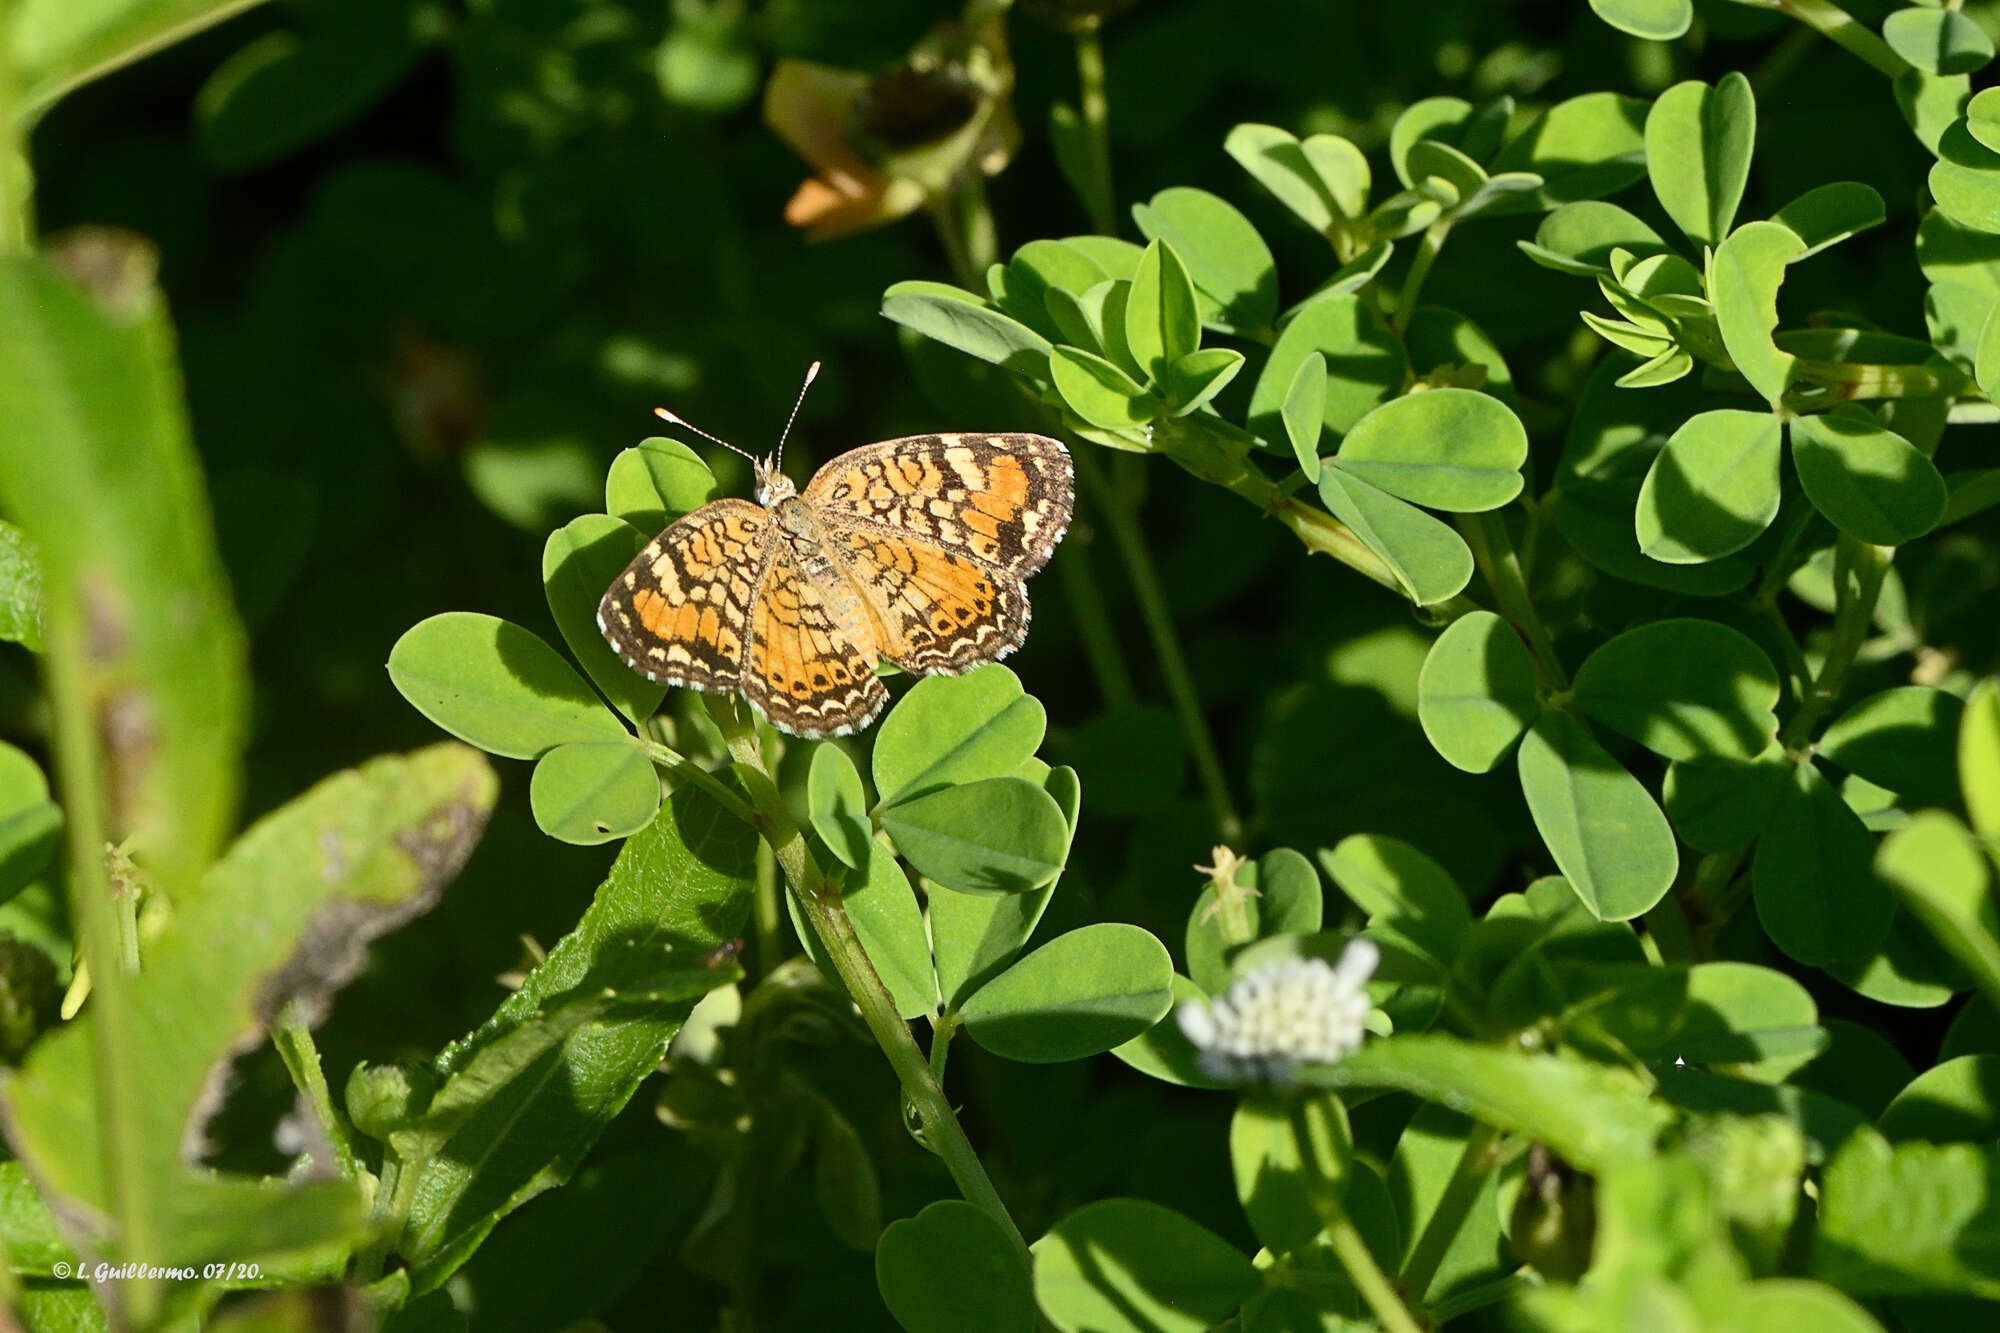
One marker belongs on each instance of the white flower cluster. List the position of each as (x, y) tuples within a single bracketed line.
[(1283, 1015)]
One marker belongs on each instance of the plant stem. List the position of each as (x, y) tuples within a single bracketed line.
[(819, 901), (1667, 925), (765, 912), (964, 222), (1840, 27), (129, 1167), (1101, 648), (680, 766), (1448, 1217), (1420, 269), (300, 1053), (1367, 1275), (1096, 111), (1859, 570), (1159, 622), (1493, 551)]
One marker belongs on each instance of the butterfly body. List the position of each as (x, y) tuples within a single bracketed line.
[(914, 550)]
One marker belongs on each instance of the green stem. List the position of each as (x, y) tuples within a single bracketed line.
[(765, 911), (1667, 925), (1159, 621), (1859, 570), (1420, 269), (1096, 110), (394, 1193), (1841, 28), (1448, 1217), (1493, 551), (819, 901), (964, 222), (300, 1053), (121, 1097), (1101, 648), (680, 766), (1366, 1274)]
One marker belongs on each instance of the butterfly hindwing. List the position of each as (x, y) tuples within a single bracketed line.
[(803, 672)]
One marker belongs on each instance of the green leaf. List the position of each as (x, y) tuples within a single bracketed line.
[(1162, 323), (1685, 689), (1829, 214), (1912, 1219), (1235, 278), (1935, 868), (1654, 20), (1076, 996), (593, 791), (288, 89), (58, 45), (1583, 148), (1284, 899), (1039, 268), (1128, 1264), (97, 469), (1432, 562), (1163, 1050), (1734, 1016), (1979, 760), (1954, 1101), (678, 888), (839, 805), (959, 319), (30, 823), (1870, 482), (974, 936), (1437, 118), (1937, 41), (1477, 692), (1713, 489), (1099, 392), (1982, 118), (1607, 835), (1901, 739), (955, 729), (1197, 377), (655, 482), (282, 917), (953, 1269), (1319, 184), (20, 589), (1595, 518), (1719, 805), (1965, 180), (1817, 895), (1593, 1116), (1289, 1154), (1396, 885), (1304, 413), (491, 683), (579, 561), (884, 910), (1747, 271), (1698, 145), (1365, 363), (1452, 449), (999, 835)]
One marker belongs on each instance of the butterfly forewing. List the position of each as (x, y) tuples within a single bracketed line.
[(680, 613)]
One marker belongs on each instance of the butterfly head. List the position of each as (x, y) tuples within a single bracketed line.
[(773, 486)]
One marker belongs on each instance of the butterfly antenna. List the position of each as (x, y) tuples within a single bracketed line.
[(812, 373), (666, 416)]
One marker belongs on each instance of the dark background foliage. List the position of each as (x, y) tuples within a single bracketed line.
[(432, 275)]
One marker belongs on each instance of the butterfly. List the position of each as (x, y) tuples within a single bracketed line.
[(915, 550)]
